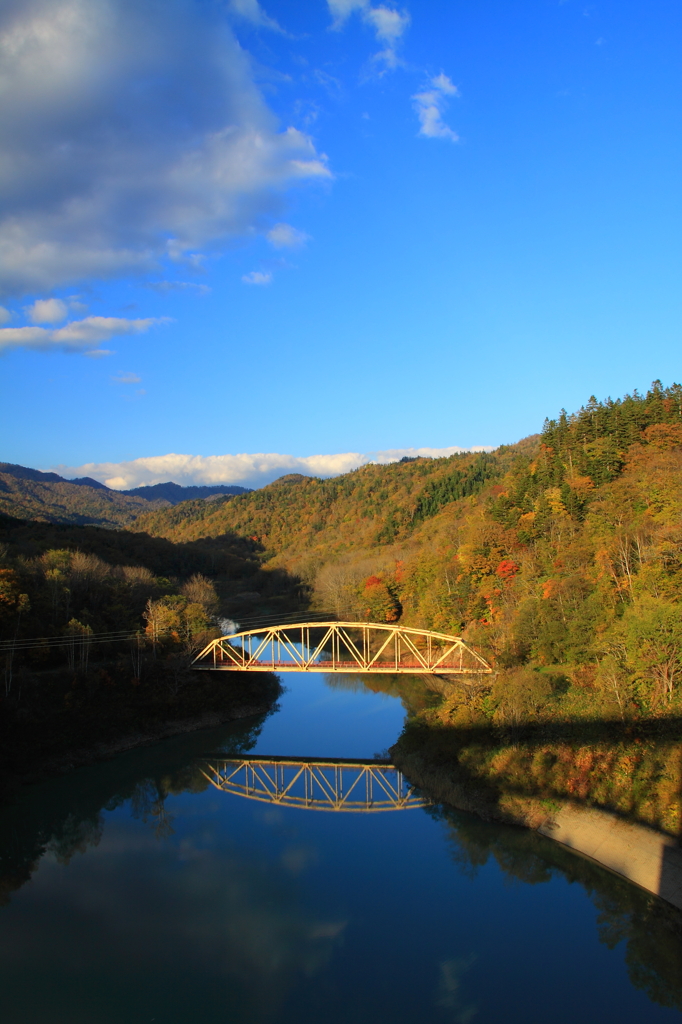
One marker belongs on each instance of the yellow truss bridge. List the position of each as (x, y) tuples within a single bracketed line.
[(341, 647), (321, 784)]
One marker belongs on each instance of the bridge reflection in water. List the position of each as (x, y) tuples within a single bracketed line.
[(319, 784)]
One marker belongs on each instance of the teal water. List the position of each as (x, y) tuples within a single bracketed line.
[(135, 892)]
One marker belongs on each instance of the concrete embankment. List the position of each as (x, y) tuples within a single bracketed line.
[(648, 858)]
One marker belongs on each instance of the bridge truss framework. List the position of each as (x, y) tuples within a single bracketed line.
[(322, 784), (341, 647)]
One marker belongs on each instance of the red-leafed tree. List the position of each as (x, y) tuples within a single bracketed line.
[(507, 570), (379, 604)]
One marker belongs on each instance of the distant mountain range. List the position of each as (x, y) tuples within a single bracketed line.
[(174, 493), (47, 497)]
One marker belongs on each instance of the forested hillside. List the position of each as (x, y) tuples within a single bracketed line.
[(175, 493), (565, 549), (371, 507), (47, 497), (56, 578), (97, 630), (559, 558)]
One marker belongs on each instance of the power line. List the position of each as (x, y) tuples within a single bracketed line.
[(282, 620), (75, 638), (120, 635), (65, 636)]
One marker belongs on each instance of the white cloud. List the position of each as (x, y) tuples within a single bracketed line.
[(328, 82), (5, 315), (76, 305), (389, 24), (430, 105), (179, 286), (109, 161), (75, 336), (47, 311), (251, 10), (257, 277), (248, 470), (283, 236), (445, 85), (342, 9), (127, 378)]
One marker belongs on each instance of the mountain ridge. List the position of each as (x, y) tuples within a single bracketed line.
[(175, 493), (32, 494)]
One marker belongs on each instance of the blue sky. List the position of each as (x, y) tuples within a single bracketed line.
[(328, 228)]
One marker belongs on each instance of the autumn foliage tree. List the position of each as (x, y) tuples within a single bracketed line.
[(379, 603), (539, 553)]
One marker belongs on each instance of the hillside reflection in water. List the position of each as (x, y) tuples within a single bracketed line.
[(135, 891)]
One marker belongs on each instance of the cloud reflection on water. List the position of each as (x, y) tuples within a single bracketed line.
[(231, 920)]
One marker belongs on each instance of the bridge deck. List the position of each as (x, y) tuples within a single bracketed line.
[(386, 667), (341, 647)]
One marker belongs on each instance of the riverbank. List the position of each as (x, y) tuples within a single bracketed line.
[(649, 858), (71, 727)]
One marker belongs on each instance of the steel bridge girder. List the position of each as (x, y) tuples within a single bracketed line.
[(275, 638)]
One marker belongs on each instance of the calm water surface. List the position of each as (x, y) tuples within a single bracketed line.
[(134, 892)]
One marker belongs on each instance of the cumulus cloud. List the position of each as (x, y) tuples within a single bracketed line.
[(47, 311), (257, 277), (75, 336), (430, 105), (5, 315), (389, 24), (283, 236), (131, 132), (248, 470)]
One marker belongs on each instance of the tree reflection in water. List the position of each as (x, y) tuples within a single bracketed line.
[(64, 816), (651, 928)]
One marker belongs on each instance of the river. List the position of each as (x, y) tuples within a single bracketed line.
[(135, 892)]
